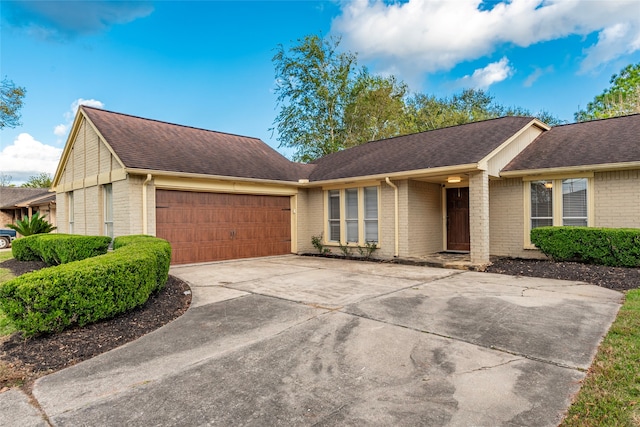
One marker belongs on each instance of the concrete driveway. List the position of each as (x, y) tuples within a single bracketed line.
[(310, 341)]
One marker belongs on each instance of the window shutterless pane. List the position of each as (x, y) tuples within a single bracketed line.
[(334, 215), (351, 208), (541, 203), (574, 202), (371, 214)]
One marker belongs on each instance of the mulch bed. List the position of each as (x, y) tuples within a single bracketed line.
[(28, 359), (616, 278)]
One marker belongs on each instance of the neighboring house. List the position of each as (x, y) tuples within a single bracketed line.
[(476, 188), (17, 203)]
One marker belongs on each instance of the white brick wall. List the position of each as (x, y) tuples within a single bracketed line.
[(617, 199), (425, 218), (479, 217)]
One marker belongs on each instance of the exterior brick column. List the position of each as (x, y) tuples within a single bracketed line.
[(479, 217)]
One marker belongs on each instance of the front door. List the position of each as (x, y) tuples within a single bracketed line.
[(458, 237)]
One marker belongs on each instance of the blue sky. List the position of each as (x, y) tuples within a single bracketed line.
[(208, 63)]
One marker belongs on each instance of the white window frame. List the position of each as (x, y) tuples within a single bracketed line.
[(71, 211), (341, 192), (107, 193), (557, 198)]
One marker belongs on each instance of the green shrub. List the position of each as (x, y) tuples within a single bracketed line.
[(56, 249), (617, 247), (22, 249), (87, 291)]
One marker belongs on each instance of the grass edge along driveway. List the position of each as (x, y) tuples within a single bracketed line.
[(610, 394)]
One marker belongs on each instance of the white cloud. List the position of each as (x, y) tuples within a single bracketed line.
[(433, 35), (27, 157), (482, 78), (62, 129)]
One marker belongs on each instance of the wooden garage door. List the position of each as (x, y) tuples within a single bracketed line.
[(212, 226)]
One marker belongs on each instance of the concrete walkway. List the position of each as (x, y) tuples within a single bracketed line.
[(311, 341)]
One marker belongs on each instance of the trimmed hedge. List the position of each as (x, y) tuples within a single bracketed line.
[(615, 247), (90, 290), (55, 249)]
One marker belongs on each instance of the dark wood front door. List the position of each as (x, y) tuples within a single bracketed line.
[(458, 237), (214, 226)]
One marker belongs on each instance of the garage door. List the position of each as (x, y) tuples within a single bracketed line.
[(212, 226)]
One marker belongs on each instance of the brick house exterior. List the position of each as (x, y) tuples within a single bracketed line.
[(475, 188)]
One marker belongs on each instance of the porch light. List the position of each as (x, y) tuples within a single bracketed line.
[(453, 179), (548, 184)]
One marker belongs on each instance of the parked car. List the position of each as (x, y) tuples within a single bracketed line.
[(6, 237)]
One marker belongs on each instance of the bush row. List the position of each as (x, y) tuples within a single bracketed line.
[(616, 247), (55, 249), (90, 290)]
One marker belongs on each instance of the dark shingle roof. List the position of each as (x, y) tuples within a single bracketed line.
[(457, 145), (149, 144), (597, 142), (12, 196)]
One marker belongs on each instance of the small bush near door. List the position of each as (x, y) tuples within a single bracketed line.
[(616, 247), (90, 290)]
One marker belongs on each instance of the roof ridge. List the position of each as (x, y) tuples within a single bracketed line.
[(598, 120), (450, 127), (169, 123)]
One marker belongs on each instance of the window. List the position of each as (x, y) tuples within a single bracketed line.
[(351, 220), (558, 202), (334, 215), (71, 214), (107, 191), (574, 202), (371, 214), (354, 210), (541, 203)]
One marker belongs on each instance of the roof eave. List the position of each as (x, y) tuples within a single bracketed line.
[(572, 169), (418, 173), (152, 172)]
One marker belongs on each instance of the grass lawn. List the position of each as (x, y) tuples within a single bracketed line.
[(6, 327), (610, 395)]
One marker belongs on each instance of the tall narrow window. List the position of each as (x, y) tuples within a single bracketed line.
[(574, 202), (371, 214), (334, 215), (108, 210), (71, 214), (351, 207), (541, 204)]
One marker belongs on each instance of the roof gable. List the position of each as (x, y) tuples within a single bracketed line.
[(458, 145), (154, 145), (598, 142)]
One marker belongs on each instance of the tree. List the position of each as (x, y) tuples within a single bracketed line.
[(5, 180), (313, 86), (376, 111), (328, 103), (10, 103), (620, 99), (43, 180)]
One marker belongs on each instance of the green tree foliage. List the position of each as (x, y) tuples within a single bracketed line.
[(328, 103), (35, 225), (376, 110), (11, 101), (620, 99), (427, 112), (43, 180)]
